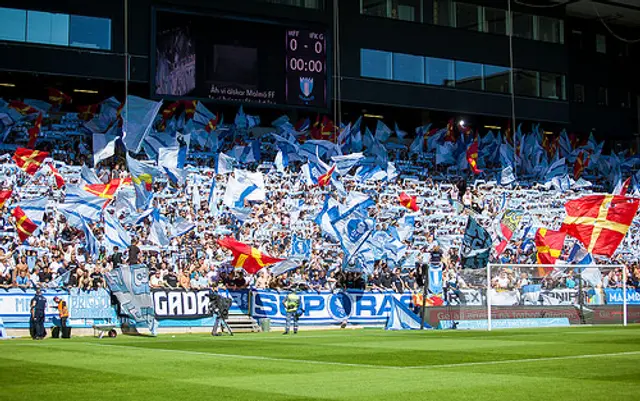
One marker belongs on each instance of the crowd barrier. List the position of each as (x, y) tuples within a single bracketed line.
[(189, 308)]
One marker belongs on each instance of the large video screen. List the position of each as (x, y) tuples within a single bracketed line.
[(240, 61)]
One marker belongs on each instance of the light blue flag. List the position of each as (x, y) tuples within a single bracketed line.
[(142, 176), (213, 199), (280, 161), (156, 140), (435, 279), (244, 185), (34, 209), (300, 247), (157, 233), (114, 234), (195, 198), (402, 318), (177, 176), (417, 146), (91, 242), (580, 256), (104, 146), (382, 132), (434, 140), (356, 140), (400, 133), (445, 153), (181, 227), (248, 190), (306, 175), (88, 175), (284, 266), (241, 213), (138, 115), (80, 205), (406, 226), (224, 164), (323, 219), (168, 157), (557, 169), (353, 229)]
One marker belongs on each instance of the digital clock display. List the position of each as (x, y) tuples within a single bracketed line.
[(306, 64)]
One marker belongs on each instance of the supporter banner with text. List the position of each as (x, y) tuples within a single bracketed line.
[(178, 303), (324, 307)]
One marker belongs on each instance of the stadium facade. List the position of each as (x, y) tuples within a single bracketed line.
[(411, 61)]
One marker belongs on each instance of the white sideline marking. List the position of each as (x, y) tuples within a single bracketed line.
[(359, 365), (507, 361)]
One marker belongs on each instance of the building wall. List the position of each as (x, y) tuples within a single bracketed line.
[(576, 59)]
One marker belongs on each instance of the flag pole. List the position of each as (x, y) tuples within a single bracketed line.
[(126, 57), (513, 89)]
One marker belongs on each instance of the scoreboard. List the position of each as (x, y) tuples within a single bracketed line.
[(231, 59), (306, 66)]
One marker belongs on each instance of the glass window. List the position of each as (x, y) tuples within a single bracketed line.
[(601, 44), (439, 71), (467, 16), (409, 68), (406, 10), (522, 25), (298, 3), (375, 64), (13, 24), (603, 96), (377, 8), (495, 21), (550, 30), (468, 75), (552, 86), (578, 93), (48, 28), (525, 82), (91, 32), (443, 12), (496, 79)]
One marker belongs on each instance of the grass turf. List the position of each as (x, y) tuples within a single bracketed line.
[(578, 363)]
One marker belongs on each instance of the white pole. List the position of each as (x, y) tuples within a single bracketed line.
[(489, 296), (624, 295)]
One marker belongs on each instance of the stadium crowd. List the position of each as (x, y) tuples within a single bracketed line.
[(58, 253)]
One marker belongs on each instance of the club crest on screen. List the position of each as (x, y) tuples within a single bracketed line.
[(306, 88)]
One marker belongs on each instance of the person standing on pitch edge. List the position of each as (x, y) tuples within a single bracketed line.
[(292, 307), (38, 306)]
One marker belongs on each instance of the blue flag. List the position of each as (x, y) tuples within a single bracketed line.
[(138, 115), (476, 246), (300, 247)]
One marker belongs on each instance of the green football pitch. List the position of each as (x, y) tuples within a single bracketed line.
[(578, 363)]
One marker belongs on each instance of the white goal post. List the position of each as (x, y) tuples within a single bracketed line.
[(490, 267)]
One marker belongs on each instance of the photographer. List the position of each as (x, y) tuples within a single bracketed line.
[(219, 309)]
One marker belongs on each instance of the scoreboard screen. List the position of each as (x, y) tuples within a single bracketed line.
[(235, 60)]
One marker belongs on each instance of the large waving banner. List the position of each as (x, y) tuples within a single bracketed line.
[(130, 284)]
